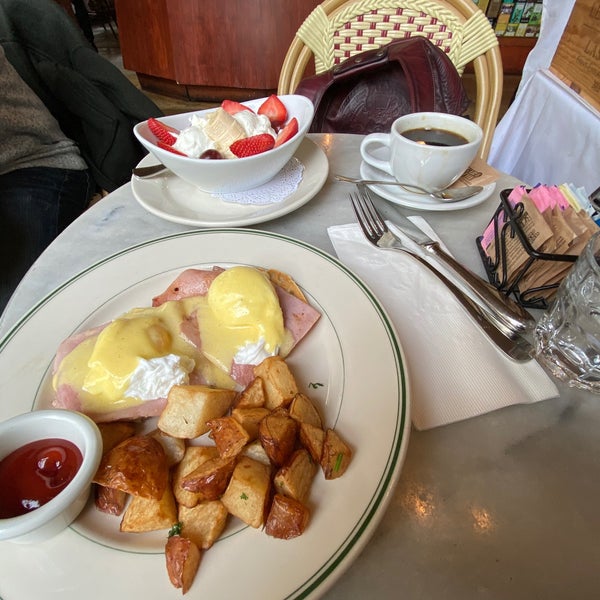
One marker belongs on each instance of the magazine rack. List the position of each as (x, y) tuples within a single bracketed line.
[(506, 222)]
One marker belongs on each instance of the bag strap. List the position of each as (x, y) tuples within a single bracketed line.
[(413, 57), (315, 87)]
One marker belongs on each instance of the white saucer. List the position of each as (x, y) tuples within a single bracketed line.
[(400, 196), (173, 199)]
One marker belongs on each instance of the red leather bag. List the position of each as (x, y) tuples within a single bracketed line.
[(367, 92)]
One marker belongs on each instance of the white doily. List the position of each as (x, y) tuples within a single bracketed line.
[(279, 188)]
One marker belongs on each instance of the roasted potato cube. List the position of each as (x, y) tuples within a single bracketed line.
[(336, 455), (183, 559), (204, 523), (256, 451), (189, 407), (194, 456), (249, 418), (145, 514), (138, 466), (280, 385), (174, 447), (229, 436), (114, 433), (295, 478), (287, 518), (210, 479), (312, 439), (304, 411), (277, 434), (109, 500), (253, 396), (247, 494)]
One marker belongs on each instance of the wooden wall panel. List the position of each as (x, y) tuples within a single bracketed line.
[(144, 37), (215, 43)]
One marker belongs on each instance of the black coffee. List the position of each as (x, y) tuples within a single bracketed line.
[(435, 137)]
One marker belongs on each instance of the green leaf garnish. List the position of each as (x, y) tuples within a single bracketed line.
[(338, 461), (244, 496), (176, 529), (315, 385)]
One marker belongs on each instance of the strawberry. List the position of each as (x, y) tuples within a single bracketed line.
[(168, 147), (287, 132), (274, 108), (252, 145), (232, 107), (163, 132)]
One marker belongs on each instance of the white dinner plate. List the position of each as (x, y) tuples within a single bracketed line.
[(353, 368), (170, 197), (400, 196)]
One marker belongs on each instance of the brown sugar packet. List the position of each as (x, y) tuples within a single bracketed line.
[(550, 272), (477, 173), (537, 231), (542, 272)]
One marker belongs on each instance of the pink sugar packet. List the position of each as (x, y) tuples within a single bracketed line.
[(488, 235)]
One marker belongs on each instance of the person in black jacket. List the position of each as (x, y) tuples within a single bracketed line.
[(94, 103), (67, 116), (44, 181)]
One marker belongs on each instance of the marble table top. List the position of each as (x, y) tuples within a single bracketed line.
[(499, 506)]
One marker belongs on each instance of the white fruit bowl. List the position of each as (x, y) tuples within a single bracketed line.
[(234, 174), (56, 514)]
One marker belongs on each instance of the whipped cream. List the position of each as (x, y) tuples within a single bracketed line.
[(153, 378), (253, 353), (218, 130), (254, 124), (193, 141)]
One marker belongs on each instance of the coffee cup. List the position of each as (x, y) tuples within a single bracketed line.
[(430, 150)]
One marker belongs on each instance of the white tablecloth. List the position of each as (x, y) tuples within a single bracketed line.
[(549, 135)]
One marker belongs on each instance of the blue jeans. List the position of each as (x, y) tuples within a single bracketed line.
[(36, 204)]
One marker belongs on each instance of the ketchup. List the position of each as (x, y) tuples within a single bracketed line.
[(35, 473)]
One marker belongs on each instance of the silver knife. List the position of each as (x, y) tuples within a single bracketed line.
[(512, 316)]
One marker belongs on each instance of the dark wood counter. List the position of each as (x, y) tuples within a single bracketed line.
[(208, 49)]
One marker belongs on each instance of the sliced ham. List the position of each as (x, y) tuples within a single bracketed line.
[(67, 397), (298, 316), (191, 282)]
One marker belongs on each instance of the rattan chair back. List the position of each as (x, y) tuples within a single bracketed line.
[(338, 29)]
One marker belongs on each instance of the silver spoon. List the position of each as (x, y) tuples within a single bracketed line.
[(148, 171), (447, 195)]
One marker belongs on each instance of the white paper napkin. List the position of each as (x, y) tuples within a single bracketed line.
[(455, 371)]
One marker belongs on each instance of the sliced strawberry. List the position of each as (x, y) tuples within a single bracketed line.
[(275, 109), (232, 107), (288, 132), (252, 145), (163, 132), (168, 147)]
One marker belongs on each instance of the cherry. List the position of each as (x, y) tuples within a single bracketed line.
[(211, 155)]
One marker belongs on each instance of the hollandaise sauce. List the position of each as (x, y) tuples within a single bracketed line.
[(241, 320), (142, 354)]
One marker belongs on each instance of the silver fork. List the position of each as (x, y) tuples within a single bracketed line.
[(510, 341)]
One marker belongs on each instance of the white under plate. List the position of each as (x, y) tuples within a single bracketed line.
[(173, 199), (359, 381), (399, 196)]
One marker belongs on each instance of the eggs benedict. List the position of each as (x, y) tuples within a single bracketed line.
[(126, 368)]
